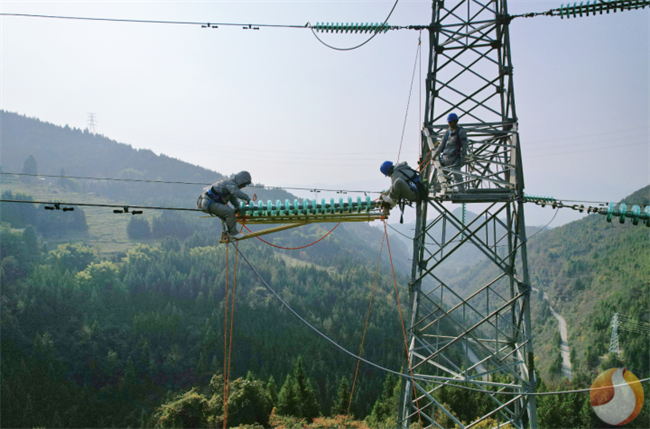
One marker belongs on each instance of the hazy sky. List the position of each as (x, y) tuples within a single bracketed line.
[(291, 111)]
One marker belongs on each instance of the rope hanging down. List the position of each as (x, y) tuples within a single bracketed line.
[(365, 328), (399, 307), (408, 103), (294, 248), (225, 345), (232, 319)]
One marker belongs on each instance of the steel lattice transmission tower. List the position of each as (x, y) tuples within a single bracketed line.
[(91, 122), (478, 335), (613, 341)]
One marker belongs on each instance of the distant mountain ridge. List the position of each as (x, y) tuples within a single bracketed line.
[(80, 153)]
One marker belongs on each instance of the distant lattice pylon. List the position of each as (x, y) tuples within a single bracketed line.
[(613, 341), (92, 121)]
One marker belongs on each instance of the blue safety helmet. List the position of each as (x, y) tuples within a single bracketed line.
[(452, 117), (385, 167)]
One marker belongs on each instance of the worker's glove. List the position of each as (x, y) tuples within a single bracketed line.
[(387, 202)]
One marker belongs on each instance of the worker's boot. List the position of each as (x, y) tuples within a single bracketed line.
[(237, 236)]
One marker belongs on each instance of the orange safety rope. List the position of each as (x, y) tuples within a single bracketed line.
[(399, 307), (232, 319), (293, 248), (227, 361), (225, 345), (363, 339), (425, 160)]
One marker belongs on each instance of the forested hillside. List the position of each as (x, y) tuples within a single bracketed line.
[(590, 269), (119, 320), (141, 323), (78, 330)]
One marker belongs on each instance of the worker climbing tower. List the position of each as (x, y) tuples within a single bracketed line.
[(477, 335)]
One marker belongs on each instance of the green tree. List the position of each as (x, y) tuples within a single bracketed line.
[(288, 400), (247, 402), (102, 275), (342, 400), (138, 228), (19, 215), (75, 256), (309, 407), (387, 405), (189, 410), (272, 391), (556, 365), (29, 167), (31, 241)]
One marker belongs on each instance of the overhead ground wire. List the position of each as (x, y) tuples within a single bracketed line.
[(209, 24), (113, 179)]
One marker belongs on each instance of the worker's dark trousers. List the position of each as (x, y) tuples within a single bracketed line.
[(400, 189), (458, 178), (226, 213)]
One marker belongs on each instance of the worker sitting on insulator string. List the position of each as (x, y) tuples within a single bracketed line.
[(405, 185), (214, 200)]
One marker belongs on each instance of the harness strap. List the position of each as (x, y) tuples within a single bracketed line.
[(215, 197)]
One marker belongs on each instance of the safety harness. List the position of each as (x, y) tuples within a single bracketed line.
[(421, 190), (216, 198)]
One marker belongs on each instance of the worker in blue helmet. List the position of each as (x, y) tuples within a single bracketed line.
[(403, 183), (215, 199), (453, 150)]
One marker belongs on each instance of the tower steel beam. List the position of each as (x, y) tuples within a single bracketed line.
[(478, 335)]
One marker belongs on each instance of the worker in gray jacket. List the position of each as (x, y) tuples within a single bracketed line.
[(453, 149), (215, 199), (402, 185)]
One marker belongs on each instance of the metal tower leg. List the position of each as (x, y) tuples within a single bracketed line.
[(478, 334)]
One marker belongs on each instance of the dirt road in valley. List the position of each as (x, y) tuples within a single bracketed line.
[(564, 348)]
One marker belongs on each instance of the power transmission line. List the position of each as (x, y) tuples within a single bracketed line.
[(203, 24), (431, 379), (111, 179)]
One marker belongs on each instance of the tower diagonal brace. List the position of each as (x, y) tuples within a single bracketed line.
[(475, 333)]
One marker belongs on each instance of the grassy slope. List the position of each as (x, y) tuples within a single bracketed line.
[(106, 230)]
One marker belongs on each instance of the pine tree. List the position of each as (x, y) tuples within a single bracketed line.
[(309, 407), (29, 167), (387, 403), (288, 400), (31, 241), (342, 401), (272, 391)]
